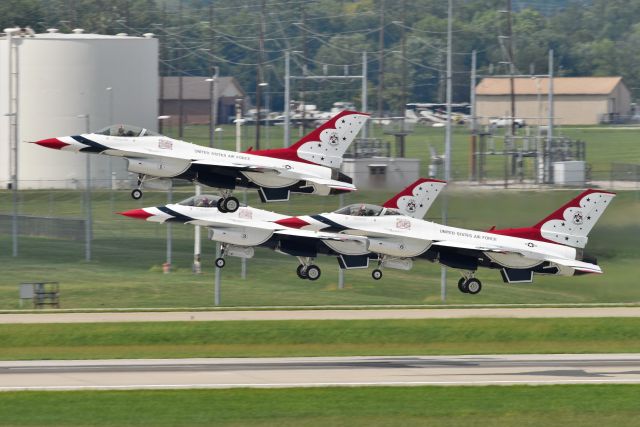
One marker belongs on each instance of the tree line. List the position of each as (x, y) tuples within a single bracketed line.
[(405, 40)]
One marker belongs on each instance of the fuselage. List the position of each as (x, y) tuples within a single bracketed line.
[(411, 237), (173, 157)]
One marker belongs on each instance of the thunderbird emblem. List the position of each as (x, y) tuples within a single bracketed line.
[(577, 218), (334, 139), (411, 206)]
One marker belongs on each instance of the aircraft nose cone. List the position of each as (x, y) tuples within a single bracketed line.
[(54, 143), (136, 213)]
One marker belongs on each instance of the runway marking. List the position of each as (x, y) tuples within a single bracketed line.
[(327, 384)]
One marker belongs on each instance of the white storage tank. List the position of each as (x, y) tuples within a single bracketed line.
[(66, 83)]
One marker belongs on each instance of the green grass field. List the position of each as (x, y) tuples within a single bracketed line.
[(128, 254), (497, 406), (318, 338)]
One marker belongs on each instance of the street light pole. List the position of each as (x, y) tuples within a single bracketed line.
[(265, 86), (213, 108), (447, 158), (87, 195)]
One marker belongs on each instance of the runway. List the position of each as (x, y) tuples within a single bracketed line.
[(321, 314), (320, 372)]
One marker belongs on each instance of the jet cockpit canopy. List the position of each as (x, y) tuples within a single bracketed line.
[(201, 201), (126, 130), (365, 209)]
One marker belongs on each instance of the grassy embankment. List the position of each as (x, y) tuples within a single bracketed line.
[(590, 405), (318, 338)]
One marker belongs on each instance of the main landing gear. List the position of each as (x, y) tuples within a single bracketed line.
[(228, 203), (469, 284), (306, 270)]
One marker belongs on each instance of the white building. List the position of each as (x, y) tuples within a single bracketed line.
[(67, 82)]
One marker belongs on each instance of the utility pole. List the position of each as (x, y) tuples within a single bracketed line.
[(213, 110), (474, 120), (287, 96), (163, 39), (303, 125), (364, 92), (180, 82), (512, 89), (259, 77), (381, 61), (213, 105), (447, 155), (403, 96), (238, 124)]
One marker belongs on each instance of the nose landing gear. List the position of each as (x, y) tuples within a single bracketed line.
[(136, 193)]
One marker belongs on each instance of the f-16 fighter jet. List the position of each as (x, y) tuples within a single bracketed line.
[(394, 235), (553, 246), (249, 227), (309, 166)]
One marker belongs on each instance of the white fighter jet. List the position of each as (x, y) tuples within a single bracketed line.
[(553, 246), (394, 235), (239, 232), (309, 166)]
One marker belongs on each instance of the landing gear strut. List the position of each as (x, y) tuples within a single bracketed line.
[(136, 193), (469, 284), (228, 203), (306, 270), (220, 262)]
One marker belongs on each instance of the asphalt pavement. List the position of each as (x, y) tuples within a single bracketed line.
[(319, 372)]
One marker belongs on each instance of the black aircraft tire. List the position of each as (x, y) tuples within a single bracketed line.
[(313, 272), (136, 194), (462, 285), (376, 274), (220, 206), (301, 273), (220, 262), (474, 286), (231, 204)]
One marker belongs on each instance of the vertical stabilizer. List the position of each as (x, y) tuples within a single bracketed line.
[(416, 199), (571, 224), (325, 145)]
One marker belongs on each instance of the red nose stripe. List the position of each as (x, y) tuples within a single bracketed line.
[(292, 222), (136, 213), (54, 143)]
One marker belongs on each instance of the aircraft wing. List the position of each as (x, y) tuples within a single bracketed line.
[(566, 262), (323, 235), (221, 162), (331, 183), (461, 245), (576, 265)]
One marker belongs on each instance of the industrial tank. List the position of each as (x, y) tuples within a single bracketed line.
[(66, 84)]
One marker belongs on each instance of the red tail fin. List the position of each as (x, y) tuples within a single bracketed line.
[(570, 224), (325, 145), (416, 199)]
